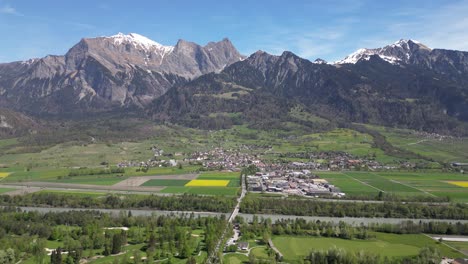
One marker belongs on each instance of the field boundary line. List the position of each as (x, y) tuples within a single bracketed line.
[(362, 182), (404, 184), (447, 245)]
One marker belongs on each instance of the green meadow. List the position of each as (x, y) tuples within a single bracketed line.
[(400, 183), (392, 245)]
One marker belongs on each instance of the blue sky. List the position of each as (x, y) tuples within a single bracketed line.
[(326, 29)]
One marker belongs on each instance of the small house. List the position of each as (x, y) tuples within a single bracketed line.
[(243, 245)]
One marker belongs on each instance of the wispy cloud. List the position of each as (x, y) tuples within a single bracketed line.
[(7, 9), (443, 27)]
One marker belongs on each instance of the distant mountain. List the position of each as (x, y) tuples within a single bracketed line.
[(402, 51), (404, 84), (103, 73), (447, 62), (265, 89)]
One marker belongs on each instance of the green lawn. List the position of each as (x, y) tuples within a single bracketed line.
[(165, 183), (462, 246), (400, 183), (201, 190), (391, 245), (5, 190), (233, 258)]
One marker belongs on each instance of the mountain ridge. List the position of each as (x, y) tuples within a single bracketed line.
[(402, 84), (107, 72)]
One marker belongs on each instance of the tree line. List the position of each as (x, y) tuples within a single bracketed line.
[(185, 202), (426, 255), (304, 207), (96, 171), (299, 227)]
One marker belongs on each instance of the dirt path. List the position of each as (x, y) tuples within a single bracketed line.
[(137, 181), (44, 185)]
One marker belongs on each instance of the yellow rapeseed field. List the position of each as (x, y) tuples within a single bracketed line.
[(459, 183), (4, 174), (208, 183)]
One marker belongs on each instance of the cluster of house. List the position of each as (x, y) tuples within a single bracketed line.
[(434, 136), (292, 182), (332, 160), (230, 159), (159, 159)]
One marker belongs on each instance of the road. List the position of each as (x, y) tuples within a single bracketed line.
[(129, 185), (213, 258)]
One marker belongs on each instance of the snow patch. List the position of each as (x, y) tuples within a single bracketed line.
[(29, 62), (140, 41), (402, 46)]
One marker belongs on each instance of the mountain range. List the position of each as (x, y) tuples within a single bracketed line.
[(404, 84)]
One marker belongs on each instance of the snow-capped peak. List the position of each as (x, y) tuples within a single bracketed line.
[(30, 61), (398, 52), (320, 61), (140, 41)]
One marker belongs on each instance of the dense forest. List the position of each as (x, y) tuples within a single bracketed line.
[(84, 234), (185, 202), (253, 205)]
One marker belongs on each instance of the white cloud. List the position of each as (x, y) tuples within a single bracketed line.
[(7, 9)]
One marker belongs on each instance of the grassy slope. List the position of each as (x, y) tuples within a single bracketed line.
[(445, 150)]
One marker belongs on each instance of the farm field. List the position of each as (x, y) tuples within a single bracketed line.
[(400, 183), (93, 180), (445, 150), (462, 246), (391, 245), (202, 190), (5, 190), (156, 182), (207, 183), (53, 174)]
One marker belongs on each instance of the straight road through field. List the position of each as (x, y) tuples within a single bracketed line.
[(365, 183)]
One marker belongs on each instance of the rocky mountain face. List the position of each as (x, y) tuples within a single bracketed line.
[(405, 84), (418, 88), (447, 62), (14, 124), (99, 74)]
